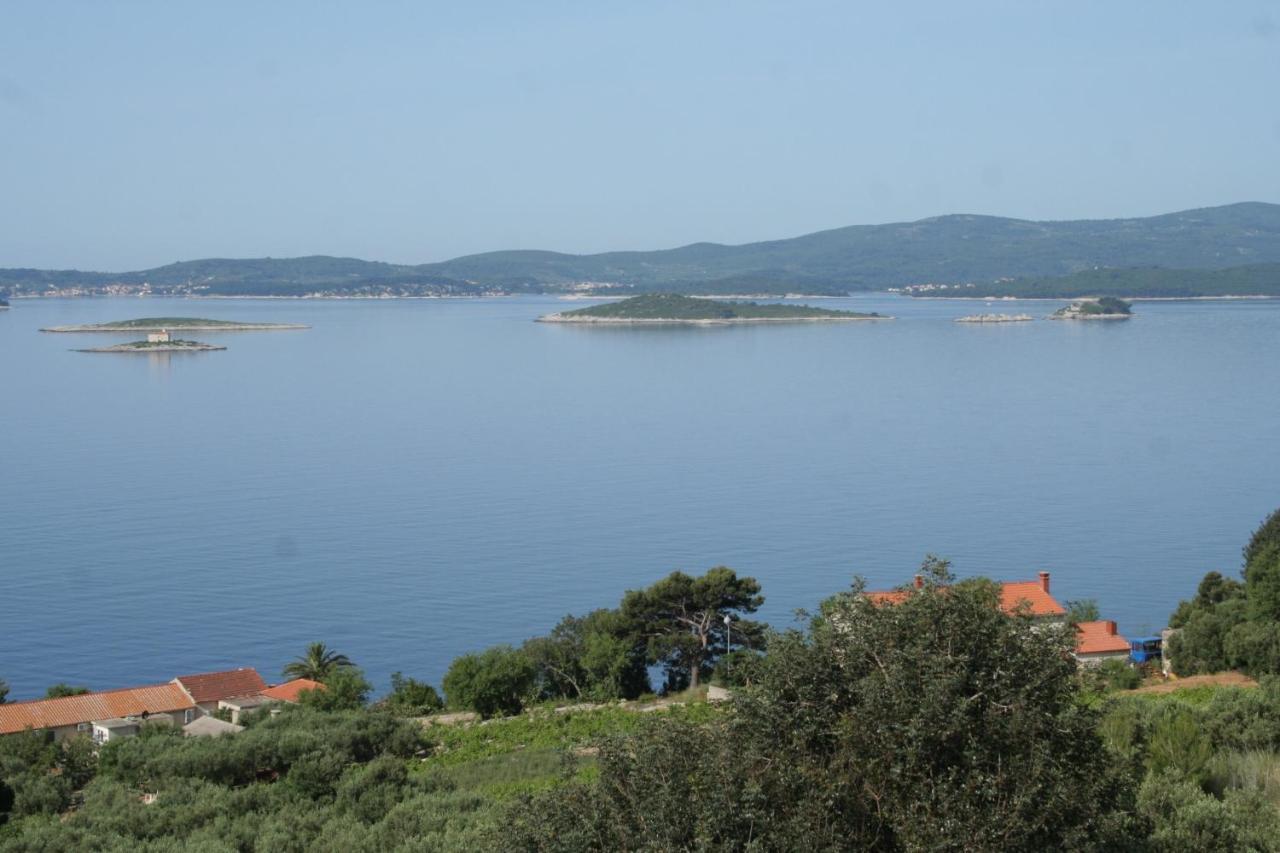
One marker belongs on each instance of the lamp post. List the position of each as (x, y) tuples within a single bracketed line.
[(726, 643)]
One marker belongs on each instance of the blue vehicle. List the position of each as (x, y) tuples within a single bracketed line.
[(1145, 650)]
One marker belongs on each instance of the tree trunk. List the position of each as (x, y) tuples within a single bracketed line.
[(695, 673)]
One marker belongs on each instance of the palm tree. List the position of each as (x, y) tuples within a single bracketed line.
[(317, 664)]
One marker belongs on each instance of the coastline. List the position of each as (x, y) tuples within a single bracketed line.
[(1075, 298)]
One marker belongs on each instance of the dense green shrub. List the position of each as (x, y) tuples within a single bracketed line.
[(1230, 625), (412, 698), (496, 681)]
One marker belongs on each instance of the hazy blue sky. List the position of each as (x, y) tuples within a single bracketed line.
[(134, 134)]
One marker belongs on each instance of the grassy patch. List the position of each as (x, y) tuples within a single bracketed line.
[(543, 731)]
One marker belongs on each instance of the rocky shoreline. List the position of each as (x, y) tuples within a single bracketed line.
[(145, 348), (994, 318)]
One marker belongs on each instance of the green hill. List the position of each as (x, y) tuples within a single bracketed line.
[(952, 249)]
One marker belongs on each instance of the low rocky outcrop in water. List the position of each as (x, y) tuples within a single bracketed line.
[(157, 346), (1104, 308), (995, 318)]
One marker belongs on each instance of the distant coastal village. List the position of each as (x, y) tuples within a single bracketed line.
[(1227, 251)]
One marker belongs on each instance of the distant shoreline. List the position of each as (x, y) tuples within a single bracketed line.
[(1077, 298)]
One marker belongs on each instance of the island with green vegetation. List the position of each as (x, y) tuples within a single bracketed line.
[(671, 308), (995, 318), (176, 324), (1103, 308), (172, 345)]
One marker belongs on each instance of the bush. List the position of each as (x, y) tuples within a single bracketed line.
[(1187, 820), (1112, 675), (1178, 747), (345, 689), (412, 698), (496, 681)]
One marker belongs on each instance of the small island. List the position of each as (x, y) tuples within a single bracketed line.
[(173, 345), (673, 309), (180, 324), (1104, 308), (158, 342), (995, 318)]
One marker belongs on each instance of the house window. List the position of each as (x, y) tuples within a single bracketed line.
[(188, 715)]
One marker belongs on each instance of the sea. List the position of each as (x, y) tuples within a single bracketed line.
[(409, 480)]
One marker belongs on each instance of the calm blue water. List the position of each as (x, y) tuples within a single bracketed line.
[(410, 480)]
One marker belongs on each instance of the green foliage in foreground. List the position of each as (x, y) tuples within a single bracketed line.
[(937, 724), (1207, 762), (671, 306), (355, 780), (1234, 625), (495, 681), (676, 623)]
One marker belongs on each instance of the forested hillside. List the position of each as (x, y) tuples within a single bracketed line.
[(945, 249)]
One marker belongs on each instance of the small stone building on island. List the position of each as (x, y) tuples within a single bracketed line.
[(160, 337)]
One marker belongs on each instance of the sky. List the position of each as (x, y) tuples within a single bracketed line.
[(134, 134)]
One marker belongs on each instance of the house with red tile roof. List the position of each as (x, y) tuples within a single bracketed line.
[(207, 689), (68, 715), (1099, 641), (291, 691), (1014, 597)]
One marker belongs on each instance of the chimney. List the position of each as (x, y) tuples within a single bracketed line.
[(1111, 627), (919, 582), (1044, 581)]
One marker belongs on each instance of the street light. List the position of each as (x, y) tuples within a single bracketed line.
[(727, 619)]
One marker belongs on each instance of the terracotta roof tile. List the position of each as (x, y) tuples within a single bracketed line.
[(1093, 638), (1037, 597), (212, 686), (288, 692), (1012, 595), (70, 710)]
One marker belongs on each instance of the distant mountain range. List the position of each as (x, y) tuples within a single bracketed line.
[(955, 249)]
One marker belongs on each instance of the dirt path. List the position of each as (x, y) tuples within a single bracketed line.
[(1218, 679)]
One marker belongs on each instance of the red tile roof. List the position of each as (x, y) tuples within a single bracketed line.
[(288, 692), (212, 686), (71, 710), (1035, 594), (1095, 638), (1012, 595)]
